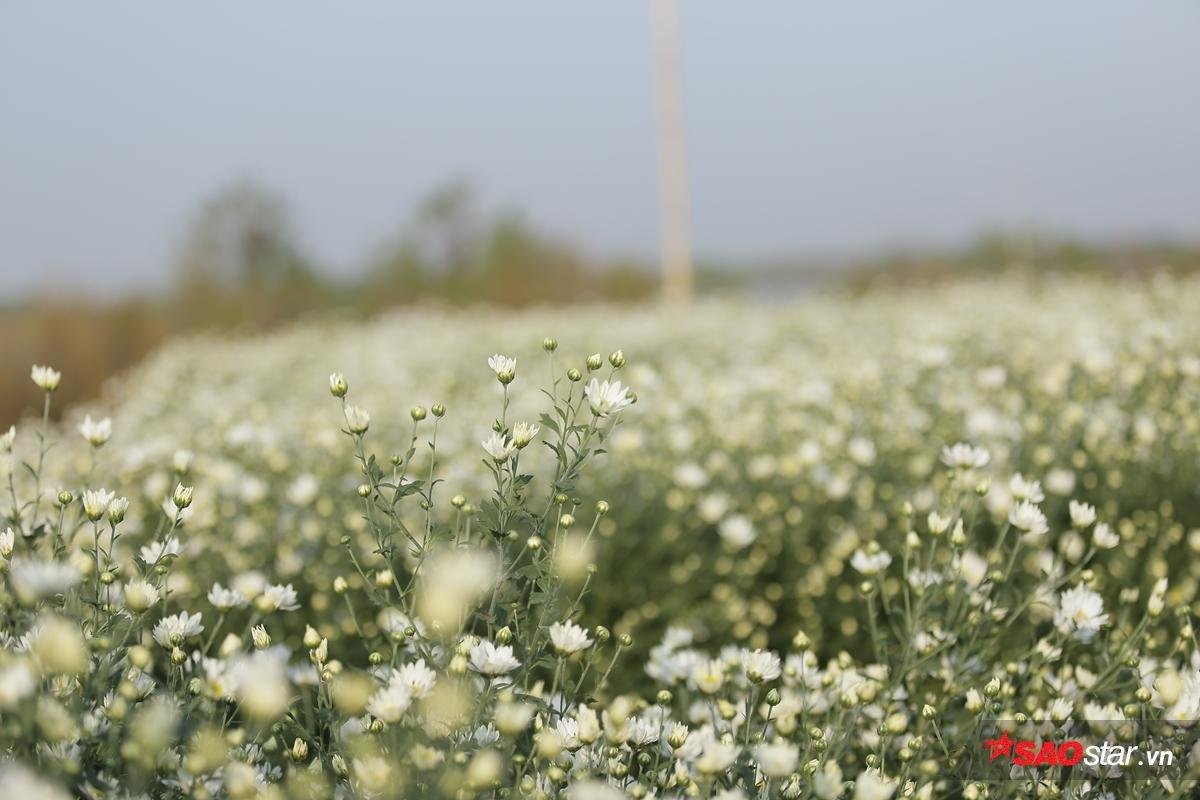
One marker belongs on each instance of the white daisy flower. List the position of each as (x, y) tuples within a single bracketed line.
[(499, 447), (1029, 519), (46, 378), (870, 785), (8, 540), (1082, 514), (225, 599), (157, 551), (569, 638), (964, 456), (760, 666), (523, 433), (277, 598), (95, 432), (502, 365), (491, 659), (1104, 538), (389, 703), (870, 564), (607, 397), (1080, 612), (95, 502), (175, 630), (1026, 490), (417, 678)]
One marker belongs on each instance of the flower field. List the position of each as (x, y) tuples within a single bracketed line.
[(821, 549)]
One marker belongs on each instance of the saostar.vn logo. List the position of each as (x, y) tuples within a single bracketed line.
[(1028, 753), (1069, 752)]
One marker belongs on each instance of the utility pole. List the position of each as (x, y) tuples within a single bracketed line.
[(676, 232)]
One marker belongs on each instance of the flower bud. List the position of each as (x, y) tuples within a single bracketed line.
[(417, 413), (229, 645), (574, 375), (594, 362), (438, 410), (549, 345), (182, 497), (140, 656), (262, 639), (116, 510), (617, 359), (117, 709), (358, 421), (337, 385), (311, 637)]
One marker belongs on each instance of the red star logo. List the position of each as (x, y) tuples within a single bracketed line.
[(999, 747)]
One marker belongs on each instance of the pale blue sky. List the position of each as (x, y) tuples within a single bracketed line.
[(813, 127)]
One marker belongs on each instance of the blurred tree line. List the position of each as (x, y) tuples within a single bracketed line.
[(242, 264), (242, 267), (1029, 254)]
